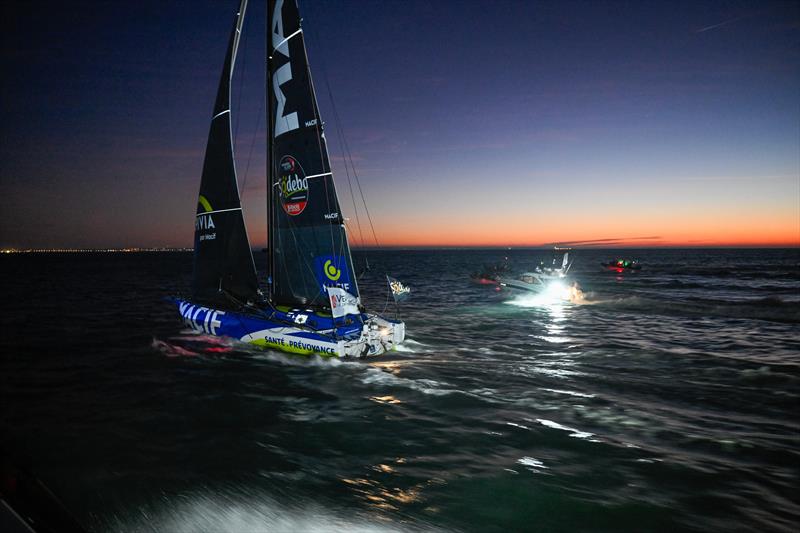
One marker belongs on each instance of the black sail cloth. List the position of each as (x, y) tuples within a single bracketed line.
[(306, 227), (223, 261)]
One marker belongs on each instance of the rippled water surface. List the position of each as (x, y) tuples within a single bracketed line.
[(666, 401)]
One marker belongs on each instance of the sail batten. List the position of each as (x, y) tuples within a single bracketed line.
[(223, 263), (218, 211)]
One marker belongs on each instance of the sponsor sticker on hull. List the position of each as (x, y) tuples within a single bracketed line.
[(201, 319), (290, 343)]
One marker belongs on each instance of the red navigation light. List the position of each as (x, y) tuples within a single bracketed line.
[(218, 349)]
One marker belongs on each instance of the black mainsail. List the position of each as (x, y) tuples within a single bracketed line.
[(307, 238), (223, 261)]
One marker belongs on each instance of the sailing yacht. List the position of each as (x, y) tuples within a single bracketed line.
[(311, 304)]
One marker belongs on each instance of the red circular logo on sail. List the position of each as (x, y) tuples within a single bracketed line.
[(293, 186)]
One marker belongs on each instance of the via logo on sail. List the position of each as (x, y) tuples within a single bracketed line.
[(293, 186), (203, 223)]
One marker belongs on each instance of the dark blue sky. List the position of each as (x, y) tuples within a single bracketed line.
[(469, 122)]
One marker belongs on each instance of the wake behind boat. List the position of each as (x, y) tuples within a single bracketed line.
[(312, 303)]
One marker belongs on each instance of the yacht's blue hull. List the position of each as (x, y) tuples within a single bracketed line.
[(297, 331)]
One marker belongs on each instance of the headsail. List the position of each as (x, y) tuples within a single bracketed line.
[(308, 242), (223, 262)]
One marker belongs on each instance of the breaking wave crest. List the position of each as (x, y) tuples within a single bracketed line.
[(233, 513), (374, 376)]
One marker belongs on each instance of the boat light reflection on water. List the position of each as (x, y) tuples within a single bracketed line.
[(379, 487), (555, 299), (387, 399), (392, 367), (556, 293)]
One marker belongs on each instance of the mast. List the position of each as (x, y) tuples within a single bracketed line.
[(268, 89), (223, 262)]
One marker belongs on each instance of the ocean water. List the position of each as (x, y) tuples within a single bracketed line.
[(667, 400)]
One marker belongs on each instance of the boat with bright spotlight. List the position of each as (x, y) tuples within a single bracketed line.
[(311, 302), (544, 276)]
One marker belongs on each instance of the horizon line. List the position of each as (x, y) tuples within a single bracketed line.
[(9, 251)]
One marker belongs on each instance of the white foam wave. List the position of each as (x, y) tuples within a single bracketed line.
[(570, 393), (553, 338), (553, 372), (412, 342), (412, 346), (573, 432), (299, 360), (171, 350), (403, 348), (227, 514), (427, 386), (531, 462)]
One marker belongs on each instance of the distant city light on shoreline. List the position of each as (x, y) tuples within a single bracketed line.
[(88, 250)]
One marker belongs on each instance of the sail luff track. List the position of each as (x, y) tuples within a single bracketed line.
[(237, 35)]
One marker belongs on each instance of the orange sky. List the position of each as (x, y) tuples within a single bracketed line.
[(770, 230), (765, 221)]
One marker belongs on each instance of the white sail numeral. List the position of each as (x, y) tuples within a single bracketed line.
[(278, 42), (283, 123)]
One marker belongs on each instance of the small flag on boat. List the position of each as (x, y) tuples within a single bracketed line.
[(400, 292), (342, 302)]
